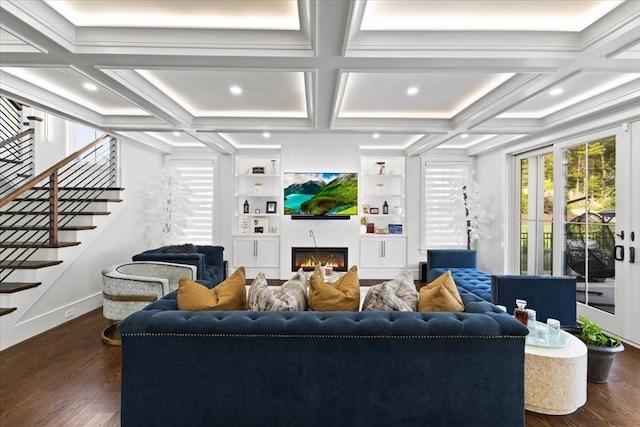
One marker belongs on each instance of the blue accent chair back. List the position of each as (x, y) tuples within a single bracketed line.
[(549, 296), (209, 261), (451, 258)]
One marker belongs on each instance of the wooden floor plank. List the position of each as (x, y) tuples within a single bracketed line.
[(67, 376)]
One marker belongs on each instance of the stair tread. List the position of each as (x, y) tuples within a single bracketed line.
[(11, 287), (66, 199), (42, 228), (82, 188), (63, 213), (42, 245), (15, 162), (6, 310), (27, 265)]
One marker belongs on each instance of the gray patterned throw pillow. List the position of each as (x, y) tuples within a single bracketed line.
[(399, 294), (291, 296)]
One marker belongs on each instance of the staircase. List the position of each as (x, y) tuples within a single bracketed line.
[(43, 218)]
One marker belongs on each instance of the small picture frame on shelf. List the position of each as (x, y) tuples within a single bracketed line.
[(374, 211), (271, 207), (260, 224), (257, 210), (365, 209), (257, 170)]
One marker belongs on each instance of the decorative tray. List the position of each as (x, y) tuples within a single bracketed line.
[(540, 337)]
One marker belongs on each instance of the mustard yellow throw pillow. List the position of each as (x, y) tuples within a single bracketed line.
[(343, 295), (440, 295), (228, 295)]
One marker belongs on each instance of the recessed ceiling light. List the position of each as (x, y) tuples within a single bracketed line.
[(266, 135), (556, 91), (177, 133), (464, 135), (412, 90), (376, 135), (90, 86), (236, 90)]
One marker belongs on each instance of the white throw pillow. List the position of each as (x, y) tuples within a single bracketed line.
[(399, 294), (291, 296)]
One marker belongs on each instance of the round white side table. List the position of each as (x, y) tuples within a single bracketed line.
[(555, 379)]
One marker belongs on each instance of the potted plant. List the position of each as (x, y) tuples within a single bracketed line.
[(601, 347)]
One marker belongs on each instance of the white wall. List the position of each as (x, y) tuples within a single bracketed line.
[(494, 183)]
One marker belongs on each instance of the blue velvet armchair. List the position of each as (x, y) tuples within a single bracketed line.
[(209, 260)]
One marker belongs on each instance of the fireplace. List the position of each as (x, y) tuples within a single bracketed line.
[(338, 258)]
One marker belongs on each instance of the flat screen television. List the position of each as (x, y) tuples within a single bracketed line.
[(320, 195)]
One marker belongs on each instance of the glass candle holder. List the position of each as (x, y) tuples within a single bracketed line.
[(553, 330)]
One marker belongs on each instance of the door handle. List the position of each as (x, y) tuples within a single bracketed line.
[(632, 255), (618, 253)]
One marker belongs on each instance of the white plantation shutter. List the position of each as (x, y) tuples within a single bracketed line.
[(440, 178), (198, 176)]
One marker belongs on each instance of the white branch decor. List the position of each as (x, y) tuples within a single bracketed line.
[(470, 211), (166, 208)]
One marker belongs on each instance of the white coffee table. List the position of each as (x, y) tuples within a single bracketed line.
[(555, 379)]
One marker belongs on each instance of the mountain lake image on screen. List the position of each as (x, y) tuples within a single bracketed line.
[(320, 193)]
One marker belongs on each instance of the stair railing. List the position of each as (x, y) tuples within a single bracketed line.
[(67, 188), (16, 160)]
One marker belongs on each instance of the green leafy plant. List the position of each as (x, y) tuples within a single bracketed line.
[(591, 333)]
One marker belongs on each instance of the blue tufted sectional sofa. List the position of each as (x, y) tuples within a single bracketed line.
[(375, 368), (463, 266)]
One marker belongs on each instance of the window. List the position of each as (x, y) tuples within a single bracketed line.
[(198, 176), (440, 180)]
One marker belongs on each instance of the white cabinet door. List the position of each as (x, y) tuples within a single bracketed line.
[(370, 253), (268, 253), (256, 252), (394, 253), (383, 253), (244, 251)]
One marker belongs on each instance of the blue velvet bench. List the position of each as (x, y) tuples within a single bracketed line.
[(549, 296)]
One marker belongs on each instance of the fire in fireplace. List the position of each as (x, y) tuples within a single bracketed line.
[(306, 258)]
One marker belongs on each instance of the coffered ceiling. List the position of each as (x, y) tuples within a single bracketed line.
[(410, 75)]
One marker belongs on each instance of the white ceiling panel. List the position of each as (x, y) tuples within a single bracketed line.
[(76, 87), (473, 15), (580, 88), (211, 92), (434, 95), (225, 14)]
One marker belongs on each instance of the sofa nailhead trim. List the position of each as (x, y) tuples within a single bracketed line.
[(168, 334)]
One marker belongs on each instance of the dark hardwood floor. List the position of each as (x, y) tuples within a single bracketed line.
[(68, 377)]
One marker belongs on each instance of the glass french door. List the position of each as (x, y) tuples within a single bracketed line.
[(535, 228), (579, 215), (600, 224), (590, 221)]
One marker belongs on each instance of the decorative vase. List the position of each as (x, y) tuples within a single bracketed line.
[(599, 361)]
